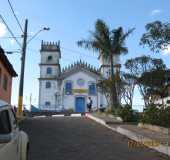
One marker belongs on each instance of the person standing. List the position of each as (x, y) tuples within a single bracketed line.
[(89, 104)]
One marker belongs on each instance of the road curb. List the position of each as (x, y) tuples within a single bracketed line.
[(131, 135)]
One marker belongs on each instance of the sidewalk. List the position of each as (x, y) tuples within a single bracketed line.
[(160, 142)]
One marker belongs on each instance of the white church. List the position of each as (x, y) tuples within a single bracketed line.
[(69, 88)]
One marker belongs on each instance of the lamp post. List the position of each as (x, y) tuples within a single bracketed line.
[(23, 56), (43, 29), (11, 52)]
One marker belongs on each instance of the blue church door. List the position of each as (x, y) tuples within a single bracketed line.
[(80, 104)]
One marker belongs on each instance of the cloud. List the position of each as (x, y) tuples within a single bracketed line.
[(3, 30), (166, 51), (155, 12)]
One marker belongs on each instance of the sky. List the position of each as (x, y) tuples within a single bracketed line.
[(70, 21)]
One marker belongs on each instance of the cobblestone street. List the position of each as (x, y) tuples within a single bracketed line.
[(78, 138)]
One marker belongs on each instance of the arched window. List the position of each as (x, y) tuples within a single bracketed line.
[(92, 88), (68, 88), (48, 84), (49, 70)]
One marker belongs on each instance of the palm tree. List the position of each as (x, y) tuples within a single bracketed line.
[(108, 43)]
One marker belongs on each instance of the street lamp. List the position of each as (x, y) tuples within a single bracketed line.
[(23, 55), (11, 52), (43, 29)]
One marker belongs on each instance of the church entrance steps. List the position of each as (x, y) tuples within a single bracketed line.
[(54, 114)]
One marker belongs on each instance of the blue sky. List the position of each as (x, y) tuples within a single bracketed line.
[(70, 21)]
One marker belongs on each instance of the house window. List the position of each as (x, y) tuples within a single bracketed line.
[(47, 103), (49, 58), (5, 82), (92, 89), (48, 84), (49, 70), (68, 88)]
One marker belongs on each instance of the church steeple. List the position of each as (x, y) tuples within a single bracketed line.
[(50, 71), (51, 55)]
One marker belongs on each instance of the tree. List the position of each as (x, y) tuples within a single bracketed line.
[(107, 43), (105, 86), (138, 66), (155, 82), (128, 86), (157, 36)]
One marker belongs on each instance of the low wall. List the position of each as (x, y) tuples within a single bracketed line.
[(155, 128)]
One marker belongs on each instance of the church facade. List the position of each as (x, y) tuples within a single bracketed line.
[(69, 88)]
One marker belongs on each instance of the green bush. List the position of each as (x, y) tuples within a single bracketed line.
[(157, 116), (127, 114), (164, 119), (151, 115)]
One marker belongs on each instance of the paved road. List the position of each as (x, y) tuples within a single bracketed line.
[(79, 138)]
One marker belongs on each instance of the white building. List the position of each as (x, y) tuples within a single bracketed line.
[(166, 98), (68, 88)]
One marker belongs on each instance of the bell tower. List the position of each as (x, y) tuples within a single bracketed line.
[(49, 72)]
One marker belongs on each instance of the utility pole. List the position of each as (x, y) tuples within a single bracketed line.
[(30, 101), (21, 84)]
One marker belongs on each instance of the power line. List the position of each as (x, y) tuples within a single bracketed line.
[(72, 51), (10, 37), (12, 34), (77, 52), (62, 58), (12, 9)]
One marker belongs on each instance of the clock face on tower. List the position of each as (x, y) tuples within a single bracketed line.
[(81, 82)]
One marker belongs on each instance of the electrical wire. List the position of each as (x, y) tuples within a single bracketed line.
[(12, 9), (10, 37), (12, 34), (77, 52)]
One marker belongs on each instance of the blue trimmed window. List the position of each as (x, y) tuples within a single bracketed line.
[(48, 84), (92, 89), (47, 103), (49, 70), (68, 88)]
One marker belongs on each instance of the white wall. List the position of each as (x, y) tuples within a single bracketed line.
[(45, 54), (47, 94), (159, 101), (43, 71), (69, 100)]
